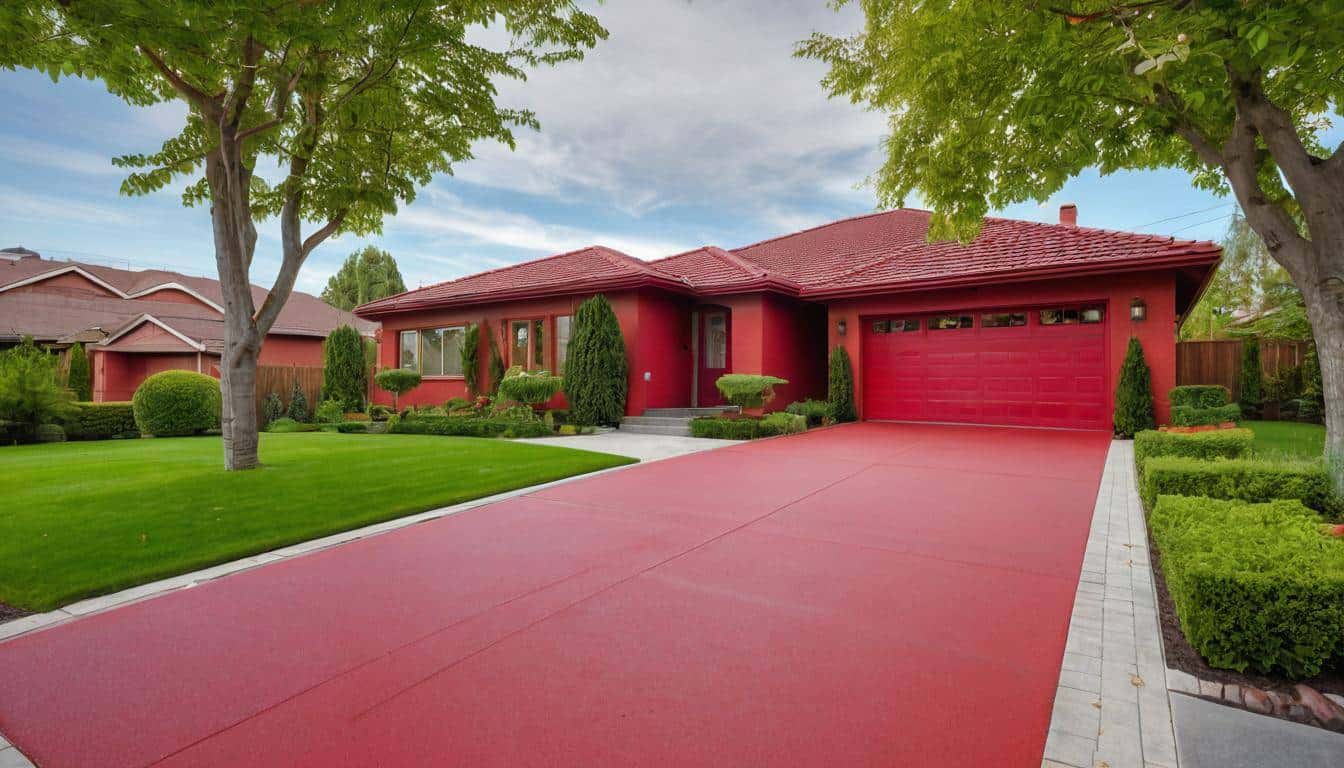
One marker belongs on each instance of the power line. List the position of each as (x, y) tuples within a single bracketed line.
[(1206, 221), (1182, 216)]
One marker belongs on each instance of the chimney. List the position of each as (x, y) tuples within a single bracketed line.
[(1068, 215)]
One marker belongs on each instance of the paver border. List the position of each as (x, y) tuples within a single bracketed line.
[(1112, 705)]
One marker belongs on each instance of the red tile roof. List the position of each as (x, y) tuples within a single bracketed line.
[(130, 293), (878, 252)]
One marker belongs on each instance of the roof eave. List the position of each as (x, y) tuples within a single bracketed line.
[(960, 281), (373, 311)]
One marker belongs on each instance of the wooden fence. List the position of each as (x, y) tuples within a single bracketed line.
[(1219, 362), (280, 380)]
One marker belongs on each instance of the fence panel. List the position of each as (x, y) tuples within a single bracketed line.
[(280, 380), (1219, 361)]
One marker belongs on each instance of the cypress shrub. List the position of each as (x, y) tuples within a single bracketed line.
[(1134, 394), (272, 408), (841, 386), (344, 376), (298, 404), (1252, 388), (471, 359), (496, 363), (174, 403), (78, 380), (595, 369)]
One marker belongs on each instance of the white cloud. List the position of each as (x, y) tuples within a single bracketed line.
[(18, 149), (19, 205)]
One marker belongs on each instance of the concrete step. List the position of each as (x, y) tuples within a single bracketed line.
[(689, 413), (656, 421), (652, 429)]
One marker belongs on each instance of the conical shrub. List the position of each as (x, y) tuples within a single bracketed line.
[(1134, 393)]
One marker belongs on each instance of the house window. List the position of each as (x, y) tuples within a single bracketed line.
[(561, 342), (410, 342), (716, 341), (1003, 320), (950, 322), (433, 351), (527, 344)]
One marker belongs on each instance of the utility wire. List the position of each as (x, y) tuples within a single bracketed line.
[(1206, 221), (1182, 216)]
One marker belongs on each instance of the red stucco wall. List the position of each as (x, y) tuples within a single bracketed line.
[(116, 375), (1157, 333)]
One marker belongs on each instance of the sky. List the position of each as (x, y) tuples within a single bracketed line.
[(692, 124)]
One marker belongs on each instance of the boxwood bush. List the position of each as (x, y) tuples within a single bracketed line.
[(353, 426), (1199, 396), (1214, 444), (1255, 585), (778, 423), (1193, 416), (470, 427), (101, 421), (176, 403), (532, 388), (815, 411), (1244, 479)]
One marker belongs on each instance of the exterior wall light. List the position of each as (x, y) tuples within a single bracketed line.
[(841, 326), (1138, 311)]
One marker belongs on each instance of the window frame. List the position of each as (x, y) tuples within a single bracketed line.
[(555, 339), (420, 350), (547, 340)]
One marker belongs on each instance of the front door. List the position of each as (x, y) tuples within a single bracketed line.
[(714, 360)]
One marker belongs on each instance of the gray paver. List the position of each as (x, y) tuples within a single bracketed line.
[(1210, 735), (13, 758)]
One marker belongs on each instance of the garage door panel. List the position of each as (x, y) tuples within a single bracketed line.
[(1032, 375)]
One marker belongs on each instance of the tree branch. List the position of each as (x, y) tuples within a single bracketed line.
[(327, 230), (207, 104)]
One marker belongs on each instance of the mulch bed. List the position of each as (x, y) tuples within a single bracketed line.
[(8, 612), (1183, 657)]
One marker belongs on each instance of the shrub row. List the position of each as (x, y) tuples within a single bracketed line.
[(815, 411), (1214, 444), (1199, 396), (100, 421), (470, 427), (1193, 416), (1255, 585), (778, 423), (1244, 479)]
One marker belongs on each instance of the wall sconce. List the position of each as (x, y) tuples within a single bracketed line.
[(1138, 311), (841, 327)]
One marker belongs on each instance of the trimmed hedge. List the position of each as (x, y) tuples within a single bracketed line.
[(286, 424), (748, 390), (815, 411), (470, 427), (1192, 416), (353, 426), (1214, 444), (174, 403), (1244, 479), (101, 421), (532, 388), (778, 423), (1200, 395), (1255, 585)]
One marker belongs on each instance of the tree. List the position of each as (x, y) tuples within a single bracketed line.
[(840, 386), (344, 376), (355, 104), (367, 275), (77, 378), (398, 381), (595, 366), (1244, 287), (30, 393), (298, 403), (1134, 393), (996, 103), (471, 359), (1252, 390)]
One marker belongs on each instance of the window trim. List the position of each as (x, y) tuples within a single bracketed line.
[(555, 340), (419, 332), (547, 341)]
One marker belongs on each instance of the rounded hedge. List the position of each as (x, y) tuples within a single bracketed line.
[(177, 403)]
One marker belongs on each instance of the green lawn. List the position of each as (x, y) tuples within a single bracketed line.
[(83, 519), (1287, 439)]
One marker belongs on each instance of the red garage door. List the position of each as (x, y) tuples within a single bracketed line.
[(1043, 366)]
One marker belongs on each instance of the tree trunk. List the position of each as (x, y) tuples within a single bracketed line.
[(1326, 313), (238, 420)]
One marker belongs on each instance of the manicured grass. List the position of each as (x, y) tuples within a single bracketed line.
[(84, 519), (1287, 439)]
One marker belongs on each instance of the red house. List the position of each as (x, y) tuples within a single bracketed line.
[(1026, 325), (137, 323)]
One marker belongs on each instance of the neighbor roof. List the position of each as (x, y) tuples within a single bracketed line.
[(125, 295), (879, 252)]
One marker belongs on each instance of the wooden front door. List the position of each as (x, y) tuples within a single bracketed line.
[(715, 330)]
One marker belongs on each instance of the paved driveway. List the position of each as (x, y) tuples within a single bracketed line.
[(875, 594)]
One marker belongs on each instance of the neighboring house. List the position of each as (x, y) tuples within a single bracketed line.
[(1025, 325), (137, 323)]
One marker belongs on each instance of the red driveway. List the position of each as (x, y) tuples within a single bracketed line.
[(875, 594)]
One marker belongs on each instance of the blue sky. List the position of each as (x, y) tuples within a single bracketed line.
[(691, 125)]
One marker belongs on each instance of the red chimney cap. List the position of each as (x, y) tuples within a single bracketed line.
[(1068, 215)]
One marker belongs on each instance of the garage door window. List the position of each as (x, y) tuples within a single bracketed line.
[(1071, 316), (950, 322), (895, 326), (1003, 320)]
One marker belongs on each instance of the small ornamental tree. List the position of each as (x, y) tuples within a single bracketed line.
[(841, 386), (1252, 381), (747, 390), (77, 380), (471, 359), (272, 408), (496, 363), (30, 393), (595, 366), (298, 404), (530, 388), (343, 371), (1134, 394), (398, 381)]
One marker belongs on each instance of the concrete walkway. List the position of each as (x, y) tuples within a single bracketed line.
[(873, 594), (639, 446)]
